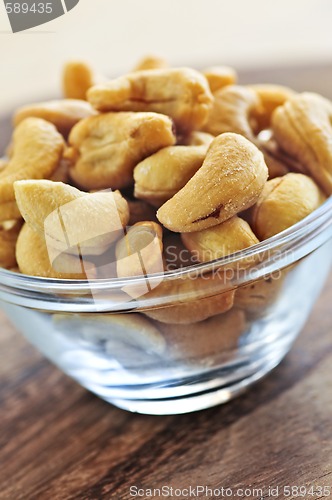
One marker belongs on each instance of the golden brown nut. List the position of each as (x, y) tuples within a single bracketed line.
[(151, 62), (33, 259), (283, 202), (219, 241), (72, 221), (162, 175), (302, 127), (246, 111), (270, 97), (220, 76), (139, 211), (256, 298), (232, 111), (131, 339), (213, 338), (203, 299), (140, 251), (9, 232), (229, 181), (37, 151), (140, 254), (77, 78), (183, 94), (109, 146), (64, 114)]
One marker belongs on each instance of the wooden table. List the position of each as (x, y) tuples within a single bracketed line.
[(58, 441)]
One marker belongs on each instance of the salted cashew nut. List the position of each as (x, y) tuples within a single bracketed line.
[(183, 94), (109, 146), (232, 109), (194, 299), (270, 96), (72, 222), (33, 259), (151, 62), (257, 297), (132, 339), (219, 77), (206, 341), (247, 111), (64, 114), (37, 152), (220, 241), (302, 127), (230, 181), (162, 175), (77, 78), (285, 201), (139, 252)]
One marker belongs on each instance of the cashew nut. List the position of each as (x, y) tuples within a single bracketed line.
[(77, 78), (183, 94), (283, 202), (64, 114), (109, 146), (37, 151), (69, 220), (219, 77), (219, 241), (151, 62), (230, 181), (162, 175), (302, 127), (33, 259)]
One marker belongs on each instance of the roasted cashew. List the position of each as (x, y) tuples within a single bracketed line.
[(230, 180), (69, 220), (151, 62), (220, 241), (64, 114), (162, 175), (109, 146), (205, 341), (77, 78), (302, 127), (183, 94), (33, 259), (219, 77), (283, 202), (37, 152)]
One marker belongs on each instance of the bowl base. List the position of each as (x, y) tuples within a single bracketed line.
[(209, 393)]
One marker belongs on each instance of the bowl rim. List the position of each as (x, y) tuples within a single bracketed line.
[(273, 252)]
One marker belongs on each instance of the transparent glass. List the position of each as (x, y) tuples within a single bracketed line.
[(200, 337)]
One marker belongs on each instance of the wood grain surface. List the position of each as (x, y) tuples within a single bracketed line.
[(60, 442)]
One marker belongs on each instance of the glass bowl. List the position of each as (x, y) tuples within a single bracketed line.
[(190, 338)]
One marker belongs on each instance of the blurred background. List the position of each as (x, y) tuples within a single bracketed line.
[(113, 34)]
